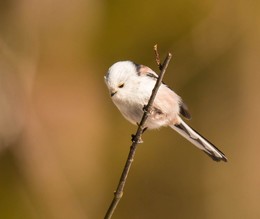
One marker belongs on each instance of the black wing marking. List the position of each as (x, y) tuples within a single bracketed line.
[(184, 111), (152, 75), (144, 70)]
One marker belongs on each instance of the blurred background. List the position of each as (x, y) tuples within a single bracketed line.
[(63, 143)]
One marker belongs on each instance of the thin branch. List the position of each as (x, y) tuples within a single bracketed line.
[(137, 137)]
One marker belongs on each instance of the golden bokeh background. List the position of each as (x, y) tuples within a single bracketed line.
[(63, 143)]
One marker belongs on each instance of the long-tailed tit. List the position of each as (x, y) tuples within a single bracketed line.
[(130, 86)]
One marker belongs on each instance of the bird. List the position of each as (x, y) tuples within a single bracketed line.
[(130, 86)]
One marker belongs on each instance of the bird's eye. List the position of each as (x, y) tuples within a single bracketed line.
[(121, 85)]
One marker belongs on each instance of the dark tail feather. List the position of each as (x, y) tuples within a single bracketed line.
[(199, 141)]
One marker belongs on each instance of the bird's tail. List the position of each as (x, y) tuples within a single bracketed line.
[(199, 141)]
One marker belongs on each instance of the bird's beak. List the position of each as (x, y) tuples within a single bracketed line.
[(113, 93)]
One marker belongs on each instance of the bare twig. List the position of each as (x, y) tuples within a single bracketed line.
[(137, 137), (157, 57)]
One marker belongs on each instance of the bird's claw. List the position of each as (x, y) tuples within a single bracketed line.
[(145, 109)]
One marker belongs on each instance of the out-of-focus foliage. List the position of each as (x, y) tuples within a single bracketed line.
[(62, 142)]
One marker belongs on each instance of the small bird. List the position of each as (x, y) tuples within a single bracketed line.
[(130, 86)]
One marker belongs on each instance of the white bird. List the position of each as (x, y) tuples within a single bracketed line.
[(130, 86)]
